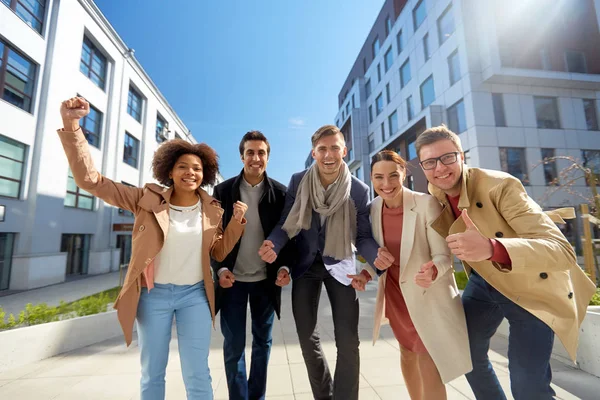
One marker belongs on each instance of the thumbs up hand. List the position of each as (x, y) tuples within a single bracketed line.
[(470, 245), (426, 275)]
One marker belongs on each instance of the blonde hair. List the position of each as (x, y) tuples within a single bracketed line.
[(435, 134)]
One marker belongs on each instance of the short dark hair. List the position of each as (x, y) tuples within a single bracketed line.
[(388, 155), (324, 131), (254, 135), (169, 152), (435, 134)]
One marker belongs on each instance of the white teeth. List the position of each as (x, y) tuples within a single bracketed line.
[(444, 176)]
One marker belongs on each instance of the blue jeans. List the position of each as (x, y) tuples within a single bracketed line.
[(529, 345), (156, 309), (233, 325)]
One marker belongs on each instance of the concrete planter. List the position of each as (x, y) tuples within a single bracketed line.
[(26, 345), (588, 353)]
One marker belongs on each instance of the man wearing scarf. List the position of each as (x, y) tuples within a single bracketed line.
[(326, 212)]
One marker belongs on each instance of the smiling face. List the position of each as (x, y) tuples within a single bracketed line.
[(187, 173), (387, 178), (444, 177), (329, 153), (255, 159)]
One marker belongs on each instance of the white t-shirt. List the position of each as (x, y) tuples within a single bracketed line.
[(180, 260)]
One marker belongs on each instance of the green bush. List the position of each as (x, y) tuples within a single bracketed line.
[(42, 313), (461, 279), (595, 301)]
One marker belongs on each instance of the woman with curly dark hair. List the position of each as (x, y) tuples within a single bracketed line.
[(177, 229)]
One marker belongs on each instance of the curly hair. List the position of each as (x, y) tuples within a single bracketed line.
[(169, 152)]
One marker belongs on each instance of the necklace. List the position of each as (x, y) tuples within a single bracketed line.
[(188, 210)]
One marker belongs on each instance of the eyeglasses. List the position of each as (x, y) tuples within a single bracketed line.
[(446, 159)]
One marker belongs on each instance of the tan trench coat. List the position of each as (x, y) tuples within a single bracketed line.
[(545, 278), (150, 206)]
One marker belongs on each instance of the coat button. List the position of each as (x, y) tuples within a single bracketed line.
[(544, 275), (142, 227), (499, 234), (571, 295), (479, 205)]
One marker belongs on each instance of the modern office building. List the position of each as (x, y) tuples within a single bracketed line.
[(518, 80), (51, 50)]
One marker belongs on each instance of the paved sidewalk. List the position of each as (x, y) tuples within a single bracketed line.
[(53, 294), (109, 370)]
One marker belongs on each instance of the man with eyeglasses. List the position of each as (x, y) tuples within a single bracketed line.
[(520, 267)]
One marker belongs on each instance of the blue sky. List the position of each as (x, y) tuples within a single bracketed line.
[(230, 67)]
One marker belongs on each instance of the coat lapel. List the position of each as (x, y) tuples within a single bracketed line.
[(408, 230)]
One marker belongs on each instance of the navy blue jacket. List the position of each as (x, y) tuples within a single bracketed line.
[(309, 241)]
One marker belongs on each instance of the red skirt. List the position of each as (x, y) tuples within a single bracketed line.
[(397, 313)]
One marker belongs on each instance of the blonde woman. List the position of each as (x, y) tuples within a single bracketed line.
[(417, 295)]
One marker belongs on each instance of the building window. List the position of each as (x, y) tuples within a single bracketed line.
[(375, 47), (467, 154), (177, 136), (30, 11), (575, 61), (7, 241), (17, 77), (383, 132), (457, 121), (426, 50), (359, 173), (378, 73), (591, 160), (343, 115), (454, 67), (77, 248), (427, 92), (410, 112), (591, 117), (388, 26), (498, 103), (337, 123), (512, 160), (371, 114), (387, 93), (92, 126), (131, 150), (76, 197), (400, 41), (364, 65), (371, 143), (162, 129), (134, 104), (411, 149), (379, 104), (348, 108), (93, 63), (353, 103), (545, 60), (393, 123), (127, 213), (419, 14), (445, 24), (389, 59), (368, 88), (405, 73), (546, 112), (550, 173), (12, 161)]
